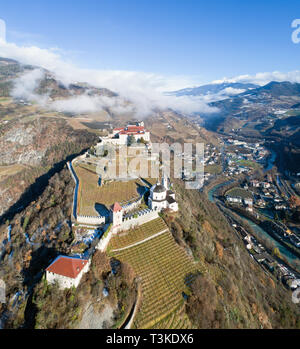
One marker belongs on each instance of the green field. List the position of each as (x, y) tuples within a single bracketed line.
[(213, 169), (239, 192), (249, 163)]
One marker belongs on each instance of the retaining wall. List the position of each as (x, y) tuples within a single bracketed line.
[(141, 219), (76, 180)]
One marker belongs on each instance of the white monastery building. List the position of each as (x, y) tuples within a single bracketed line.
[(121, 135), (161, 197), (67, 271)]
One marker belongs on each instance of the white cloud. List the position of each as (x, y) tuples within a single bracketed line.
[(90, 104), (25, 85), (263, 78), (144, 90), (230, 91)]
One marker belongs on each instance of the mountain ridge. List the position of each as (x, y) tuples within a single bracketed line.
[(212, 89)]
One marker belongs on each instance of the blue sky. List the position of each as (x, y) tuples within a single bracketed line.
[(206, 40)]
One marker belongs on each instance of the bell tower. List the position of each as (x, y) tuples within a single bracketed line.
[(165, 181)]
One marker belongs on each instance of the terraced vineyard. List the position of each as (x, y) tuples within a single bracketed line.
[(165, 270), (136, 235), (178, 319)]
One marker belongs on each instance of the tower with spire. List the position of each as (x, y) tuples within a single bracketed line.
[(165, 181)]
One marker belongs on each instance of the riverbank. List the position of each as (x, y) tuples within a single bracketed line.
[(285, 252)]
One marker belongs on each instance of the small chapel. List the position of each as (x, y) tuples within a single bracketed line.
[(161, 197)]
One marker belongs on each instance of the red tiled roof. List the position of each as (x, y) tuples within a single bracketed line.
[(131, 129), (135, 128), (117, 207), (131, 133), (67, 266)]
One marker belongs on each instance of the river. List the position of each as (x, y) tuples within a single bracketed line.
[(212, 191), (271, 161), (290, 257)]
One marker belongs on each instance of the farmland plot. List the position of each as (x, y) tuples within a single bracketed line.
[(91, 194)]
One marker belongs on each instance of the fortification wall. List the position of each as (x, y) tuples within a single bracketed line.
[(130, 223), (76, 180), (93, 220), (104, 241), (131, 206)]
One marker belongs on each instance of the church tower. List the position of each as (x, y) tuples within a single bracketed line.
[(165, 181)]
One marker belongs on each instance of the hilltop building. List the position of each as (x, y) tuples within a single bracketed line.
[(161, 197), (120, 136), (67, 271)]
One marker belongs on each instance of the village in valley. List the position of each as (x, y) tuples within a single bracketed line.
[(260, 202)]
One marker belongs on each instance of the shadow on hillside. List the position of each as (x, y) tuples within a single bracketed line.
[(102, 210), (140, 189), (36, 189), (41, 259)]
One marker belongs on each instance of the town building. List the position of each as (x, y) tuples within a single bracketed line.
[(67, 271), (239, 196)]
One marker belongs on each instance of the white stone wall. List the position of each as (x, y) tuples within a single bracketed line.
[(133, 222), (159, 196), (173, 206), (123, 139), (104, 241), (157, 205), (64, 281), (108, 140), (133, 205), (146, 136), (75, 195), (230, 199), (93, 220)]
